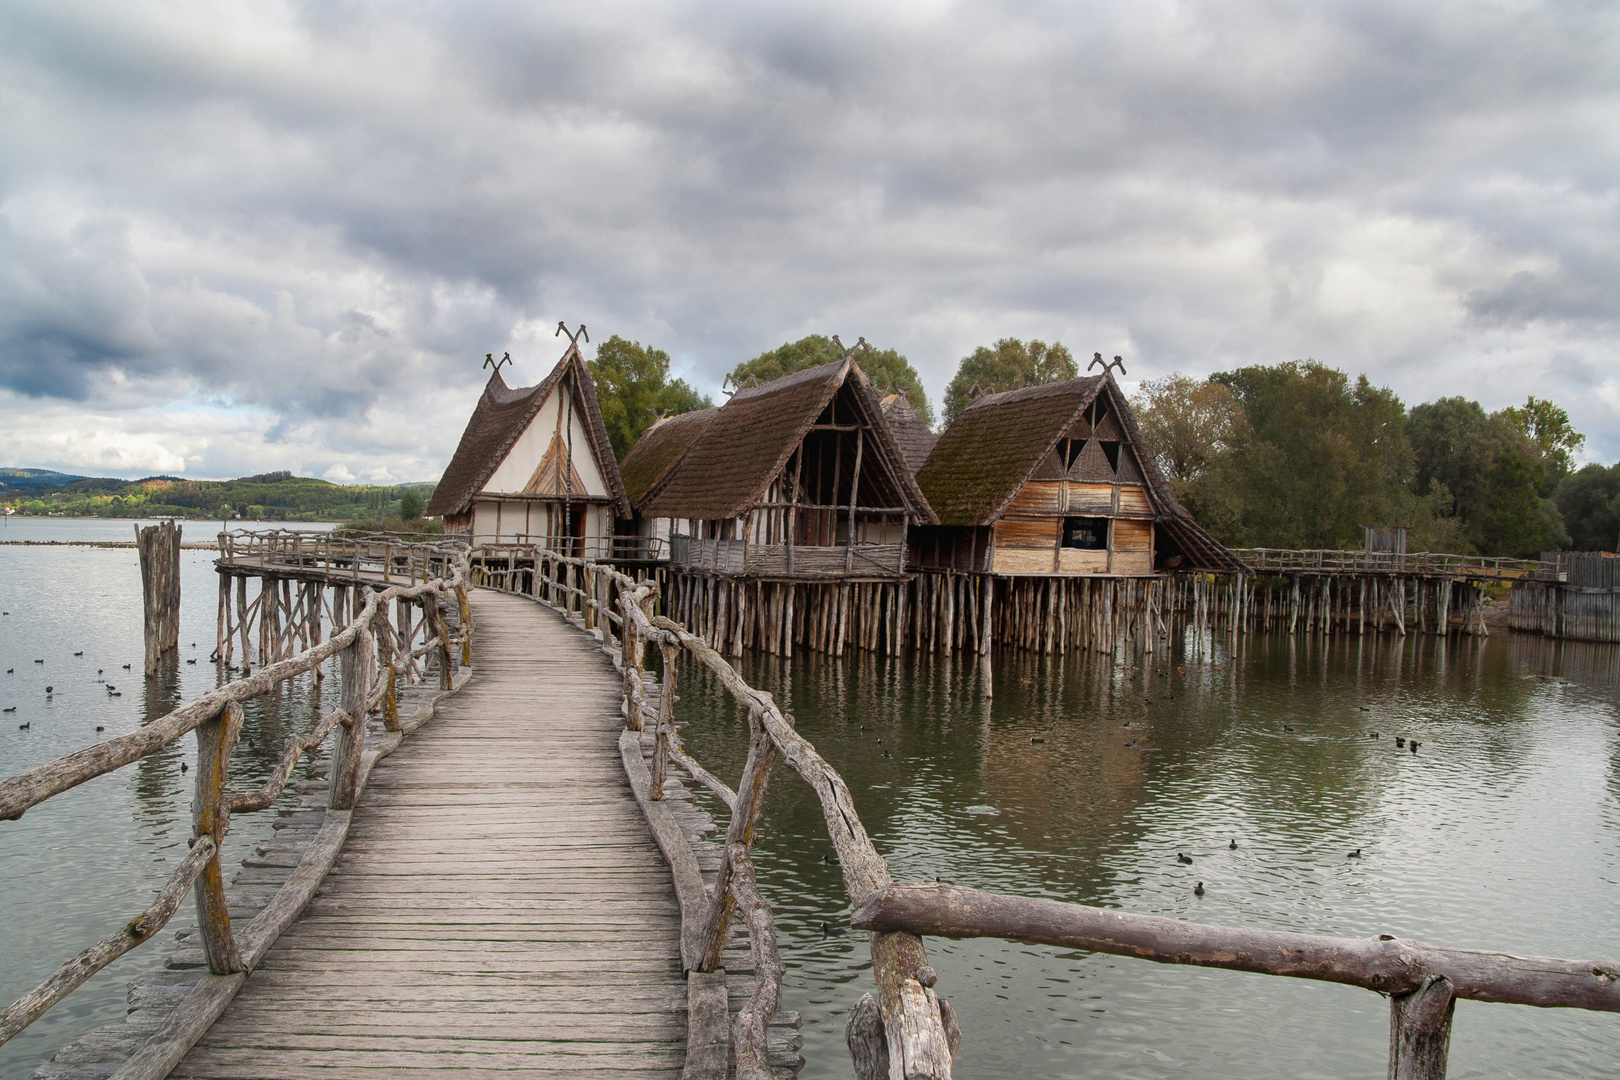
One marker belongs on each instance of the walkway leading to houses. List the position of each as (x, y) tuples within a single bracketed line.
[(499, 906)]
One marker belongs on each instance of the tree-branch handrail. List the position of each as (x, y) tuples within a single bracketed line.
[(216, 718)]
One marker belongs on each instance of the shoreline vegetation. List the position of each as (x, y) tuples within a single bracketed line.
[(268, 498)]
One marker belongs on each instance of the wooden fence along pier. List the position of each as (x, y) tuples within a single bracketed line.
[(1576, 595), (904, 1027)]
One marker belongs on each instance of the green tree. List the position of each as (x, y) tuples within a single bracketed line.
[(1590, 504), (410, 506), (1321, 457), (887, 369), (633, 386), (1188, 424), (1493, 468), (1548, 429), (1513, 521), (1007, 365)]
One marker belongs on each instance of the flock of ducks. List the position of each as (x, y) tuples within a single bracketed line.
[(50, 691)]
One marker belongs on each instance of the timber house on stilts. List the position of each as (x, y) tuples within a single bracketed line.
[(535, 466), (1056, 530), (786, 513)]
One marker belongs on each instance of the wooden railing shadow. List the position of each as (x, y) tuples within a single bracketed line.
[(908, 1030), (375, 662)]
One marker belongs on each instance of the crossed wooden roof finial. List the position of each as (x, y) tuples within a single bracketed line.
[(573, 338), (1118, 362), (490, 361), (860, 343)]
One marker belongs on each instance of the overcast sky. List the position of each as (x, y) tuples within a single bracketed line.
[(247, 236)]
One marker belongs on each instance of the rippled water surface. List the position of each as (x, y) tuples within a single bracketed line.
[(76, 867), (1501, 833)]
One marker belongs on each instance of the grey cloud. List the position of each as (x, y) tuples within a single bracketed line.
[(332, 217)]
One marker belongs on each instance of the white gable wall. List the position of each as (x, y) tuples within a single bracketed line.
[(513, 473)]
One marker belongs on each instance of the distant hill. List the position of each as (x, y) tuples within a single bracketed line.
[(37, 480), (272, 496)]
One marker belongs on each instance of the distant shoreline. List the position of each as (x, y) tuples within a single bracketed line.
[(194, 545)]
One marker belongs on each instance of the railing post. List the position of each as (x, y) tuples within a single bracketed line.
[(666, 717), (430, 607), (466, 626), (631, 662), (1420, 1030), (209, 817), (344, 778), (762, 754)]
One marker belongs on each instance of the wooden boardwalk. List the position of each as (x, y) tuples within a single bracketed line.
[(499, 907)]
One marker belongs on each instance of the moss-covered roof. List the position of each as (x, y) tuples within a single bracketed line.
[(659, 450), (993, 446), (996, 444), (915, 440), (748, 441)]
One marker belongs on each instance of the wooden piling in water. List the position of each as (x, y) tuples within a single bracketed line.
[(159, 550)]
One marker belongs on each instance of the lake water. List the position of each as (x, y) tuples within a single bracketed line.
[(1502, 833), (74, 868)]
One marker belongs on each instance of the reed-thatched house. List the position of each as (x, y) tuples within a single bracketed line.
[(534, 466), (1054, 480), (799, 478), (648, 467)]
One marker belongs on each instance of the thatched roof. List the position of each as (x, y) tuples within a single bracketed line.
[(997, 444), (750, 438), (994, 445), (915, 440), (501, 417), (660, 449)]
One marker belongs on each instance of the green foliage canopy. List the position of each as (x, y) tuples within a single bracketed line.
[(1589, 502), (1321, 457), (1546, 427), (1188, 424), (887, 369), (633, 387), (1494, 469), (1009, 364), (1300, 456)]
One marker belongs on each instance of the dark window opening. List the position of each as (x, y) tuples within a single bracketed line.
[(1069, 451), (1086, 533), (1111, 451)]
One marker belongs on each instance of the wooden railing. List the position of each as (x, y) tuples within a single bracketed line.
[(1418, 564), (366, 647), (908, 1024), (598, 548), (386, 558)]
